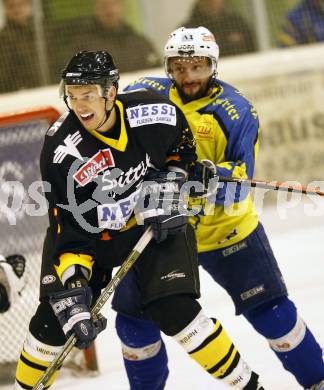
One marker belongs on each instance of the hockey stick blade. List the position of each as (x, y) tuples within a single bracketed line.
[(103, 298)]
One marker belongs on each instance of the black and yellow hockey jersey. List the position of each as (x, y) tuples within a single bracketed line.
[(95, 180), (226, 129)]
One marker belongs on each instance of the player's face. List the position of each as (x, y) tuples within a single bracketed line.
[(191, 76), (18, 11), (87, 105), (211, 7), (109, 12)]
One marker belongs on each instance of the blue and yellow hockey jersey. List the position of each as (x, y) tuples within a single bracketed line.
[(226, 128)]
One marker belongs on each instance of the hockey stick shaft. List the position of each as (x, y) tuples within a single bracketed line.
[(103, 298), (271, 185)]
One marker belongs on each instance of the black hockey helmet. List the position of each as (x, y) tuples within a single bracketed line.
[(90, 67)]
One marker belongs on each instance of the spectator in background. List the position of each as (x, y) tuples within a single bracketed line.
[(106, 29), (231, 31), (304, 24), (19, 65)]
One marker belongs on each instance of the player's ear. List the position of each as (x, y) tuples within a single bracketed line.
[(112, 92)]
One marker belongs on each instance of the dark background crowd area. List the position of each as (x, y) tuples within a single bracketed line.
[(38, 37)]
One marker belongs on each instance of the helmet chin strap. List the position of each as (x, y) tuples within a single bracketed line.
[(212, 81), (107, 114)]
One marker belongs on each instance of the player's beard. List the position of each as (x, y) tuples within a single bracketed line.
[(201, 92)]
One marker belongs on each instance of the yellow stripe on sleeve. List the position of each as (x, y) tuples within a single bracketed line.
[(69, 259)]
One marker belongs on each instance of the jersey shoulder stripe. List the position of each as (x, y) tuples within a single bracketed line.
[(141, 95), (161, 85), (57, 124)]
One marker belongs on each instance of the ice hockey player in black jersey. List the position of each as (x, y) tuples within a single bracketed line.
[(95, 159), (12, 281)]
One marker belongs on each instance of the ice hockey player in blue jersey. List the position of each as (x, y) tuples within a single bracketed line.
[(233, 246)]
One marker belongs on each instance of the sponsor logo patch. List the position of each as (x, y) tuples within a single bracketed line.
[(283, 346), (84, 329), (48, 279), (63, 304), (252, 292), (204, 131), (101, 161), (130, 356), (115, 215), (187, 338), (143, 353), (234, 248), (71, 74), (46, 352), (187, 37), (236, 381), (173, 275), (76, 310), (186, 47), (232, 234), (149, 114), (208, 38)]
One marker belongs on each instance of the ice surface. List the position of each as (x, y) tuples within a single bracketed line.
[(298, 246)]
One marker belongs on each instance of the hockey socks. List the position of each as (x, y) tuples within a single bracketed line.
[(33, 362), (290, 339), (144, 353), (208, 344)]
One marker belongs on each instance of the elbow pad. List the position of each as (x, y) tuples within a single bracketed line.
[(74, 266)]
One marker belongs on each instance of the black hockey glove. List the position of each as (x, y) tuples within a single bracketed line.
[(160, 205), (72, 308), (204, 174), (12, 282)]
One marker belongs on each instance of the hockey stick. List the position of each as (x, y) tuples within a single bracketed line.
[(271, 185), (105, 295)]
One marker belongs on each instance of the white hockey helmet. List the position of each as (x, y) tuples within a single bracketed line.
[(191, 42)]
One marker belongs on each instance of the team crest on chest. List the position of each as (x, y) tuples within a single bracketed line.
[(69, 148), (98, 163)]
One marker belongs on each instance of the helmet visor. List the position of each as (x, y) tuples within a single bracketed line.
[(195, 67), (64, 84)]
